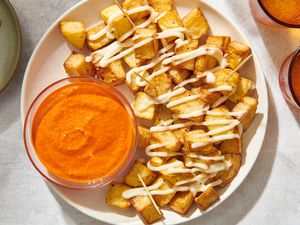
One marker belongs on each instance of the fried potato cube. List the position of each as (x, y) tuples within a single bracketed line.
[(245, 87), (121, 25), (210, 97), (142, 108), (149, 50), (76, 65), (204, 63), (182, 202), (170, 20), (114, 73), (163, 114), (94, 45), (228, 175), (196, 23), (147, 175), (166, 137), (162, 5), (144, 137), (189, 106), (207, 198), (146, 209), (236, 53), (232, 145), (189, 65), (179, 133), (178, 75), (131, 4), (222, 78), (114, 195), (248, 105), (192, 137), (176, 177), (163, 200), (74, 32), (132, 61), (157, 161), (158, 85), (195, 163), (220, 42)]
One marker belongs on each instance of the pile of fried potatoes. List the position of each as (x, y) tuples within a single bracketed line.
[(179, 140)]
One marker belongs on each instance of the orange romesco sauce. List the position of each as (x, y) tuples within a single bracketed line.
[(296, 77), (287, 11), (82, 132)]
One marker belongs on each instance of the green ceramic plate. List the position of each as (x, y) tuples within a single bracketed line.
[(10, 42)]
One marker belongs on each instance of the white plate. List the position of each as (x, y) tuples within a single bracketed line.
[(46, 67)]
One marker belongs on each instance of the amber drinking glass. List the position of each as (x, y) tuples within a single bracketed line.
[(289, 79), (276, 14)]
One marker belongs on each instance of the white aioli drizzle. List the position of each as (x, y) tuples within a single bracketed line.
[(183, 100), (221, 88), (215, 139)]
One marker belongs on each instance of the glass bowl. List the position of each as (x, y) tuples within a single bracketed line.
[(27, 135)]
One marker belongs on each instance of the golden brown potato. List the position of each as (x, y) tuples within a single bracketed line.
[(179, 133), (144, 137), (192, 138), (178, 75), (220, 42), (76, 65), (182, 202), (132, 61), (161, 5), (204, 63), (232, 145), (236, 53), (170, 20), (149, 50), (157, 161), (114, 73), (189, 65), (196, 23), (222, 78), (166, 137), (94, 45), (120, 25), (114, 195), (131, 4), (158, 85), (74, 32), (142, 108), (146, 209), (132, 178), (208, 96), (163, 200), (163, 114), (245, 87), (248, 105), (207, 198)]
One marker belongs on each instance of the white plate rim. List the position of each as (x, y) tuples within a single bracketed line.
[(263, 94)]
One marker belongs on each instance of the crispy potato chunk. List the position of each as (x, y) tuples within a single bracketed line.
[(248, 105), (196, 23), (146, 209), (245, 87), (132, 61), (170, 20), (223, 79), (192, 138), (120, 25), (189, 65), (76, 65), (157, 161), (142, 108), (131, 4), (232, 145), (176, 177), (163, 200), (208, 96), (179, 133), (149, 50), (114, 73), (194, 162), (114, 195), (163, 114), (178, 75), (207, 198), (189, 106), (220, 42), (158, 85), (204, 63), (74, 32), (236, 53), (94, 45), (166, 137), (144, 137), (161, 5), (138, 168), (182, 202)]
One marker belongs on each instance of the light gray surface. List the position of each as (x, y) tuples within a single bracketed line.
[(269, 195)]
